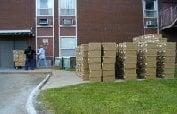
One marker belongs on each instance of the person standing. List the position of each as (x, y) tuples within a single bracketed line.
[(41, 57), (29, 58)]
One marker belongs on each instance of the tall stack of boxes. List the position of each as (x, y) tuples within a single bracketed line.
[(19, 58), (130, 51), (108, 61), (120, 62), (94, 60), (170, 56), (78, 60), (151, 56), (84, 70)]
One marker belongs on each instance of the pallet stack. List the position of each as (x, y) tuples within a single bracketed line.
[(170, 55), (151, 56), (108, 61), (19, 58), (84, 70), (94, 60), (130, 51), (120, 62), (78, 66)]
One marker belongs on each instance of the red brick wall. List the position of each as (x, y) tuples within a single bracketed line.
[(17, 14), (109, 20)]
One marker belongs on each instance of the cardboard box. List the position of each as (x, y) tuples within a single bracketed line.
[(83, 54), (170, 52), (94, 54), (129, 65), (109, 79), (171, 45), (94, 46), (170, 59), (169, 76), (152, 52), (84, 47), (95, 79), (95, 66), (130, 71), (108, 66), (151, 64), (130, 77), (109, 53), (109, 46), (130, 60), (96, 73), (130, 46), (109, 60), (151, 46), (169, 65), (131, 53), (151, 76), (151, 59), (94, 60), (108, 73), (169, 70)]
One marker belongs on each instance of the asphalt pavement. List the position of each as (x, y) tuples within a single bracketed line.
[(14, 91)]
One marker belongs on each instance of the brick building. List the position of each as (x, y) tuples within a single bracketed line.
[(60, 25)]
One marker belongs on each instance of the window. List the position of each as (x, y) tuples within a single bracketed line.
[(67, 46), (45, 7), (150, 8), (150, 13), (67, 7)]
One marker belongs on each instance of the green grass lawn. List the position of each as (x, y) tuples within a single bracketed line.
[(133, 97)]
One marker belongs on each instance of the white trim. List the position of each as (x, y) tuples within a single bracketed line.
[(44, 36), (67, 26), (67, 36), (59, 29), (76, 24), (50, 26), (36, 31), (53, 29), (15, 31)]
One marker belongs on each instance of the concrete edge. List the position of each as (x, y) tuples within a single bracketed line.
[(29, 105)]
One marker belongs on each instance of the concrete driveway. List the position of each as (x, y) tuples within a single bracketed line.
[(14, 91)]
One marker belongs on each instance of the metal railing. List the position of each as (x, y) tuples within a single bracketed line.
[(168, 16)]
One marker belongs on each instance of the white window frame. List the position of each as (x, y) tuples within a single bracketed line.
[(60, 8), (155, 9), (52, 8), (60, 48)]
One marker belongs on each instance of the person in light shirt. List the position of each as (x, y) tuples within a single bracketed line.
[(41, 57)]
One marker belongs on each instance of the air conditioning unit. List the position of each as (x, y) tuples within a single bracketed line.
[(151, 23), (68, 22), (43, 21), (69, 62)]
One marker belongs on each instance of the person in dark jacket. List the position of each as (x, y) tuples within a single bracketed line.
[(29, 63)]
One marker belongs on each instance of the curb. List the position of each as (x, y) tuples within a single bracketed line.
[(29, 105)]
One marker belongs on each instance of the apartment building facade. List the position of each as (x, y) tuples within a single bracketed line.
[(61, 25)]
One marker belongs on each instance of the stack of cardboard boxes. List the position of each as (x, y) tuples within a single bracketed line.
[(120, 62), (19, 58), (170, 55), (151, 56), (130, 51), (78, 61), (94, 60), (84, 70), (108, 61)]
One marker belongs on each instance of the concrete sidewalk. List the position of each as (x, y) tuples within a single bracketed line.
[(62, 78), (22, 71)]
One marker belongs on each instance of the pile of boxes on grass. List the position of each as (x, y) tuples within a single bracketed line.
[(147, 57), (19, 58)]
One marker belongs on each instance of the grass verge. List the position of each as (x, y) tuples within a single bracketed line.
[(142, 97)]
